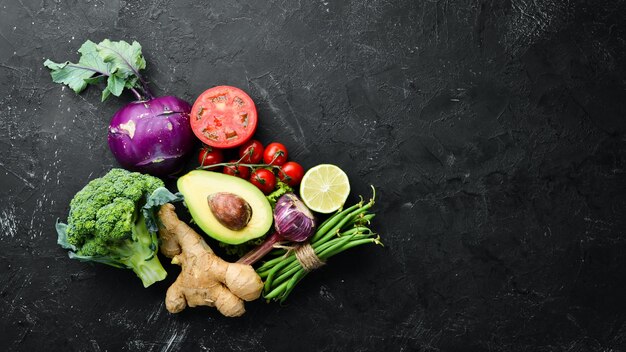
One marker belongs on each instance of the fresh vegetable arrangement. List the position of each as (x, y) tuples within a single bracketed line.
[(260, 205)]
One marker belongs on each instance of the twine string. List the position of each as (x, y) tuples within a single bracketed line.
[(305, 254)]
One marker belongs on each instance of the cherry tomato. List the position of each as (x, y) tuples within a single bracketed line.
[(223, 117), (291, 173), (251, 152), (209, 156), (241, 171), (275, 152), (264, 180)]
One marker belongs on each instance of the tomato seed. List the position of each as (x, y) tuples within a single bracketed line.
[(231, 134), (210, 135), (243, 119), (219, 99)]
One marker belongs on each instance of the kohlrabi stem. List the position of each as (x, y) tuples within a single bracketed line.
[(136, 93), (144, 86), (259, 252)]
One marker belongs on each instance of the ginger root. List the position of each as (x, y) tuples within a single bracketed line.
[(205, 279)]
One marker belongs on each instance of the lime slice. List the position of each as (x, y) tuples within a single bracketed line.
[(324, 188)]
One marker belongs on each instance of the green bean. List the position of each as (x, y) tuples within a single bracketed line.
[(328, 219), (343, 222), (276, 291), (262, 274), (265, 269), (276, 252), (278, 259), (292, 284), (338, 243), (292, 264), (279, 277), (365, 219), (285, 286), (272, 262), (277, 267), (287, 274), (344, 233), (320, 247), (331, 223), (346, 246), (287, 264)]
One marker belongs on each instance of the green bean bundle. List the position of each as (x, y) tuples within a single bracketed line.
[(341, 231)]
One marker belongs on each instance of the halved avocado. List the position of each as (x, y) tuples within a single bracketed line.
[(197, 185)]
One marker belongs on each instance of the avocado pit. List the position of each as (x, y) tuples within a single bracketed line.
[(230, 210)]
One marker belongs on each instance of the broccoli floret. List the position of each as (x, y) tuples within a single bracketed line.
[(107, 223), (115, 220)]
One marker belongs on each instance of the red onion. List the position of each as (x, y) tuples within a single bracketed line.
[(293, 221)]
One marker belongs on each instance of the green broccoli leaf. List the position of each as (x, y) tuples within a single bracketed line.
[(126, 59), (95, 258), (62, 236), (159, 197)]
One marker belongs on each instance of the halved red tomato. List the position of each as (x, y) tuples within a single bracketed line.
[(223, 117)]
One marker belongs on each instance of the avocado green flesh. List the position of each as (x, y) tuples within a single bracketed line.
[(197, 185)]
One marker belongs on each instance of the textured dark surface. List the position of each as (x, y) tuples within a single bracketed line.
[(494, 131)]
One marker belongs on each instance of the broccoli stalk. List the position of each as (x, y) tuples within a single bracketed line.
[(112, 221), (140, 255)]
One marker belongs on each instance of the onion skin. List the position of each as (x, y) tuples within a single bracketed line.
[(292, 219), (152, 136)]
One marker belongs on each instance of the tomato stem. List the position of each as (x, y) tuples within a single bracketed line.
[(287, 177), (239, 163), (236, 164), (240, 159), (276, 155)]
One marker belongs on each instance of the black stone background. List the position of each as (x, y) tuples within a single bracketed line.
[(494, 131)]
